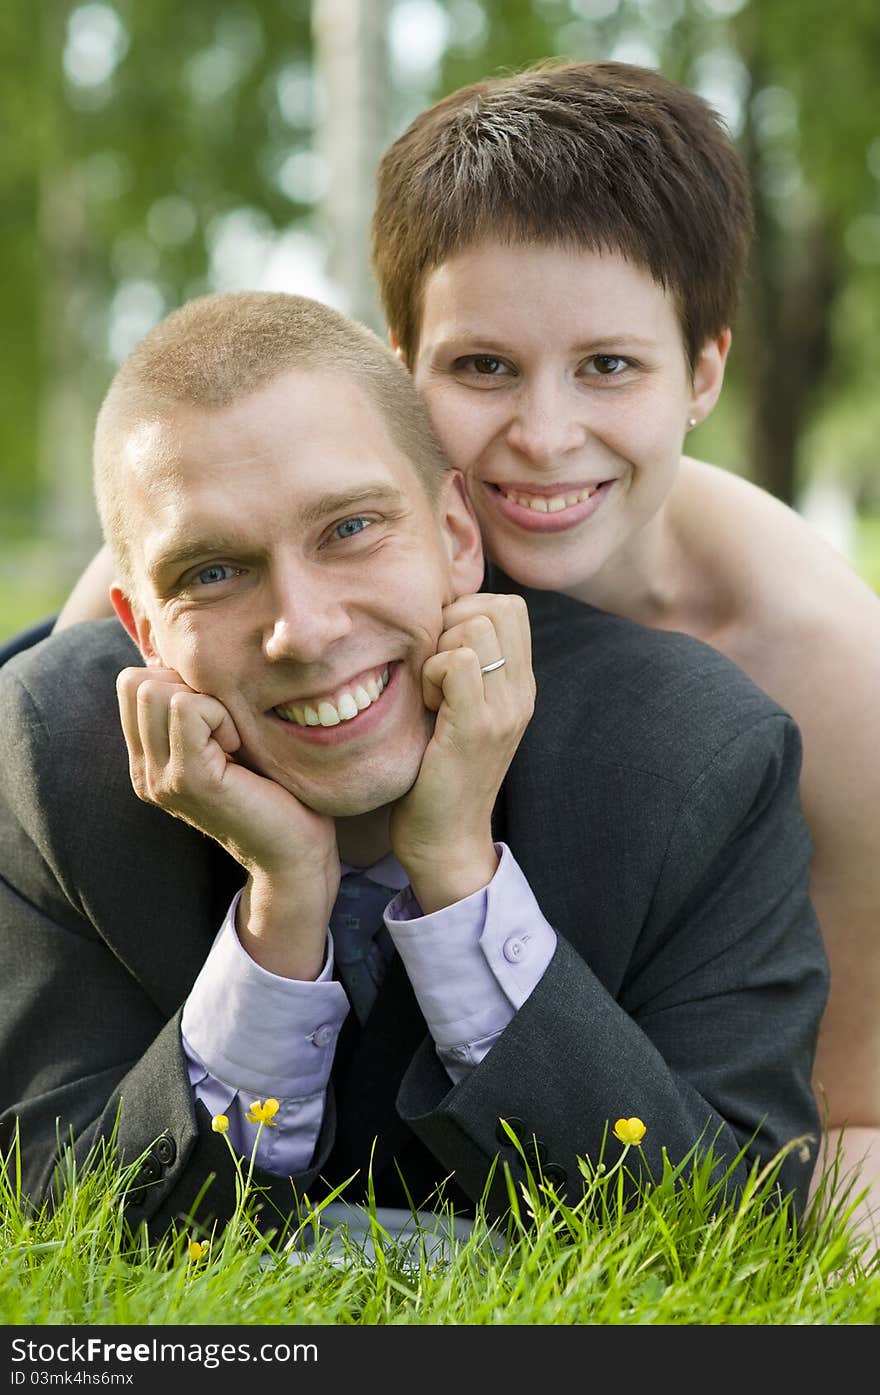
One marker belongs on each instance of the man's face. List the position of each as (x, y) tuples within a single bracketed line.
[(290, 563), (558, 383)]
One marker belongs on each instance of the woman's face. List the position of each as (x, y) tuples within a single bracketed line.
[(558, 384)]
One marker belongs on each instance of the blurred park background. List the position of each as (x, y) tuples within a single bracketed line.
[(156, 150)]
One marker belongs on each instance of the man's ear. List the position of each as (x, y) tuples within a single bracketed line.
[(137, 626), (708, 374), (461, 534)]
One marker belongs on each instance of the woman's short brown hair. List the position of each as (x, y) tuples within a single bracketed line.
[(598, 156)]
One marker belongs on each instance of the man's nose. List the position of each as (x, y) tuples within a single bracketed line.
[(548, 422), (309, 614)]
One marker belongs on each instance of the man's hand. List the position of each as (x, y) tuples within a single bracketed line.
[(180, 748), (441, 830)]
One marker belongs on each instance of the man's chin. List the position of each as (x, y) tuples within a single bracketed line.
[(356, 786), (352, 802), (364, 788)]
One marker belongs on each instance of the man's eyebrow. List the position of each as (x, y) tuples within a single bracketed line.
[(341, 500), (174, 556)]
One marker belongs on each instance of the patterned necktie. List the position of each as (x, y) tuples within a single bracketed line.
[(362, 947)]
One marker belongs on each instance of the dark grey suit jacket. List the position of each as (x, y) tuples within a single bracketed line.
[(653, 806)]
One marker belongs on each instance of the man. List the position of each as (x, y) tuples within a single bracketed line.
[(598, 912)]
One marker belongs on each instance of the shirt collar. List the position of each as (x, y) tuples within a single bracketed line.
[(387, 872)]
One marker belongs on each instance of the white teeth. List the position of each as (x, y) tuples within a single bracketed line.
[(540, 503), (347, 707), (327, 715)]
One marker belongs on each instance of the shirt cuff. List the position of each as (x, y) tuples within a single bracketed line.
[(474, 963), (258, 1032)]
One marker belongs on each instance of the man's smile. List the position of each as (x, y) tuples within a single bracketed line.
[(341, 706)]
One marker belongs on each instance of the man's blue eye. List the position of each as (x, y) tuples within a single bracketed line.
[(350, 527), (218, 571)]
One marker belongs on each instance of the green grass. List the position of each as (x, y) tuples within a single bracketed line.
[(678, 1255)]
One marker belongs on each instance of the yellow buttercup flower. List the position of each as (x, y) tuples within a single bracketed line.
[(260, 1113), (198, 1249), (220, 1123), (629, 1131)]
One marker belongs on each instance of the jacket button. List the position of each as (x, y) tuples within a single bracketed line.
[(537, 1149), (149, 1171), (555, 1174), (165, 1150), (518, 1127)]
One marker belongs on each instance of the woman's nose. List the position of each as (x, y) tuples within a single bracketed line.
[(547, 425)]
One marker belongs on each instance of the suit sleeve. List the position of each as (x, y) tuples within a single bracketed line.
[(98, 949), (709, 1038)]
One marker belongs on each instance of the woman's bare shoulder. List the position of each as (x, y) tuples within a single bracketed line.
[(780, 576), (794, 613)]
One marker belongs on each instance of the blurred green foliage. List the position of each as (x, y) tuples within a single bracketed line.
[(134, 130), (136, 127), (19, 609), (867, 550)]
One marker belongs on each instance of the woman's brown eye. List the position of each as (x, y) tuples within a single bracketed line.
[(607, 363), (484, 364)]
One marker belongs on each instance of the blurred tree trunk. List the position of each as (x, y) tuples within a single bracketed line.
[(786, 326), (350, 40), (64, 428)]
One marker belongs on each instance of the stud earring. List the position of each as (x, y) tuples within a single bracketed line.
[(692, 421)]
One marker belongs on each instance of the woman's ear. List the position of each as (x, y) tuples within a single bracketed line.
[(394, 344), (708, 375), (461, 534), (137, 626)]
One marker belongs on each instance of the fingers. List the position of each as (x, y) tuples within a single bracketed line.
[(491, 627), (480, 630), (129, 684), (454, 678), (175, 736)]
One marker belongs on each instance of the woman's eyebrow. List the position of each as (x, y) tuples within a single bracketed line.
[(491, 344)]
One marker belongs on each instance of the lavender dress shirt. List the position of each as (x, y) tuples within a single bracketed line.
[(249, 1034)]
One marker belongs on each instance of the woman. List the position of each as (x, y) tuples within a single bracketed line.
[(559, 253)]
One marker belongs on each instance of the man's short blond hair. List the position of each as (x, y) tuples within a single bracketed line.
[(216, 350)]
